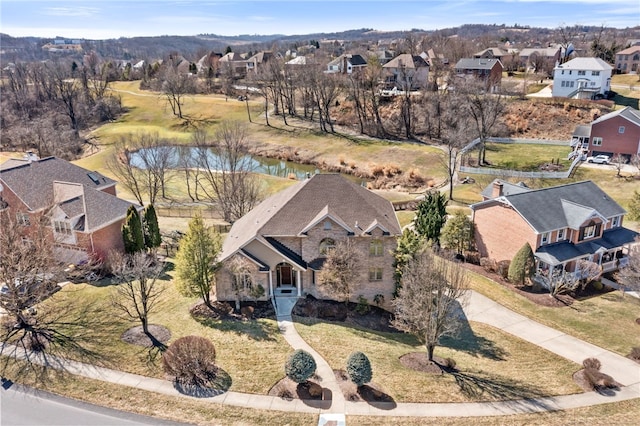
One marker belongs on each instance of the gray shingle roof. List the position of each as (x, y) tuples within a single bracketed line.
[(290, 211), (589, 64), (507, 188), (633, 115), (554, 254), (32, 181), (553, 208), (477, 63)]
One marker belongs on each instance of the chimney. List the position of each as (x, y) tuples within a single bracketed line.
[(497, 189)]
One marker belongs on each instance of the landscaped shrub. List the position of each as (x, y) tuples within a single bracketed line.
[(363, 305), (635, 353), (592, 363), (450, 363), (488, 264), (191, 361), (503, 268), (300, 366), (378, 299), (359, 368)]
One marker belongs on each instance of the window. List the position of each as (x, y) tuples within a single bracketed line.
[(242, 281), (62, 227), (596, 141), (589, 231), (572, 83), (327, 225), (621, 129), (560, 235), (326, 246), (375, 274), (595, 72), (545, 238), (23, 219), (582, 72), (615, 222), (375, 248)]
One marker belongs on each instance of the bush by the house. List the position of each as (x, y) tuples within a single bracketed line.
[(300, 366), (363, 305), (359, 368), (191, 361)]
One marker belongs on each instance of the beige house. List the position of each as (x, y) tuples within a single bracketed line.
[(282, 243)]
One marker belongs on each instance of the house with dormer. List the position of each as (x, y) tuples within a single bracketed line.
[(80, 207), (282, 244), (563, 225)]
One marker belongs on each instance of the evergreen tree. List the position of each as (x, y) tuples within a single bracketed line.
[(300, 366), (132, 232), (359, 368), (151, 229), (431, 216), (408, 244), (522, 265), (634, 206), (457, 233), (196, 260)]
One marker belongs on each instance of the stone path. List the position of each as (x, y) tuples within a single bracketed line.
[(479, 308)]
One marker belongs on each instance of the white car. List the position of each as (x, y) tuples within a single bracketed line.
[(599, 159)]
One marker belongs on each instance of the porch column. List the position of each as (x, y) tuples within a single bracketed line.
[(298, 284), (270, 283)]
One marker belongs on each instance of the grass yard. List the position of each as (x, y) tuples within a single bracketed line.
[(607, 320), (493, 365), (525, 157), (251, 352)]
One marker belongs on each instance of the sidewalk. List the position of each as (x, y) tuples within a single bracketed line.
[(479, 308)]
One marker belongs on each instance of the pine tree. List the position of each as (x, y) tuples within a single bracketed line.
[(431, 216), (196, 260), (522, 265), (359, 368), (457, 233), (151, 229), (132, 232), (408, 244)]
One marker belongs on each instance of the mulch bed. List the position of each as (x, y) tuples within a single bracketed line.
[(371, 392), (226, 311), (288, 389), (419, 361), (136, 336)]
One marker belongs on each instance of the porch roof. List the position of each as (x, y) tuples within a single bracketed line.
[(287, 252), (554, 254)]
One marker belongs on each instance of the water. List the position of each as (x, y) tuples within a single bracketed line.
[(191, 157)]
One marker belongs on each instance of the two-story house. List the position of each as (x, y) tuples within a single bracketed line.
[(259, 60), (628, 60), (617, 132), (406, 72), (581, 78), (84, 214), (562, 224), (282, 244), (346, 64), (488, 71)]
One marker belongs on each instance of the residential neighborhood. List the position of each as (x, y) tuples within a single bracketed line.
[(354, 227)]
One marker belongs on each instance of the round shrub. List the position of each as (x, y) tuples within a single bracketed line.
[(191, 361), (300, 366), (593, 363), (359, 368)]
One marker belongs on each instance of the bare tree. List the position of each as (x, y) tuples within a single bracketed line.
[(618, 162), (339, 269), (429, 300), (228, 171), (175, 87), (629, 275), (187, 163), (485, 109), (139, 293), (635, 162), (563, 282)]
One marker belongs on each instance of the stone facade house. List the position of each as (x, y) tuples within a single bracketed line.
[(84, 212), (281, 245), (562, 224)]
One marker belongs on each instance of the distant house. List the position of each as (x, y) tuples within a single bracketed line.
[(581, 78), (383, 56), (492, 53), (617, 132), (532, 56), (346, 64), (628, 60), (406, 72), (85, 215), (282, 244), (258, 60), (233, 64), (562, 224), (486, 70), (208, 64)]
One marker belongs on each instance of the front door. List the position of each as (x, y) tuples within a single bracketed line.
[(285, 275)]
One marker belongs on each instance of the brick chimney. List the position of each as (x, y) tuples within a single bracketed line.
[(497, 189)]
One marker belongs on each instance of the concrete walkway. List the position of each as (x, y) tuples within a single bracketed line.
[(479, 308)]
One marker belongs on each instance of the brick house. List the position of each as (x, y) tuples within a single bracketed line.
[(562, 224), (84, 212), (282, 243), (486, 70), (616, 133)]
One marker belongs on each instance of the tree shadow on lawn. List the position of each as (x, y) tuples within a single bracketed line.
[(214, 386), (254, 329), (467, 341)]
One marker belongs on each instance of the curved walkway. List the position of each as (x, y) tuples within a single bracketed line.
[(479, 308)]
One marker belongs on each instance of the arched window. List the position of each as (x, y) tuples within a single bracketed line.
[(376, 248), (326, 245)]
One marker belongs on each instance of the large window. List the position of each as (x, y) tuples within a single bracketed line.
[(376, 248), (62, 227), (589, 231), (597, 141), (326, 245), (375, 274)]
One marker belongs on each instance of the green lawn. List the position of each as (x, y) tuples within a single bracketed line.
[(525, 157), (492, 365)]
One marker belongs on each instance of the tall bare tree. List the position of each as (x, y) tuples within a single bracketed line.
[(175, 87), (339, 269), (629, 275), (228, 171), (429, 300), (485, 109)]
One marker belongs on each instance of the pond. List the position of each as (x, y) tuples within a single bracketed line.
[(184, 156)]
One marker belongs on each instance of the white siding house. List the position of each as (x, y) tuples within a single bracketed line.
[(581, 78)]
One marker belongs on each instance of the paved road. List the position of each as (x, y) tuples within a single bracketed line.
[(24, 406)]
